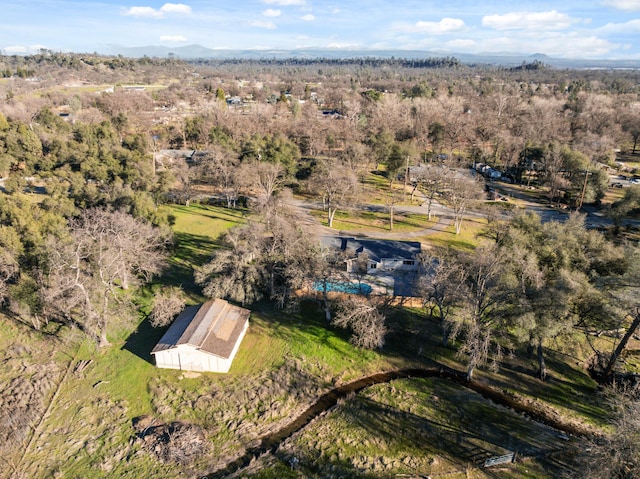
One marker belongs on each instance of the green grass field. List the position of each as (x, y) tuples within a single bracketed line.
[(198, 231), (375, 221)]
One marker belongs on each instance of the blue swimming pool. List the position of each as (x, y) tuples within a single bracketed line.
[(344, 287)]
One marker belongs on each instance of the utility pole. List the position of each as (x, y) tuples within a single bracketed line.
[(406, 176), (584, 189)]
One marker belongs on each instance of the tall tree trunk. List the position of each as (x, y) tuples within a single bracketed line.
[(325, 300), (332, 213), (457, 221), (413, 191), (102, 319), (542, 372), (446, 329), (608, 372), (470, 369), (272, 282), (327, 310)]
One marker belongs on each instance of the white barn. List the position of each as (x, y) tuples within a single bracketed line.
[(204, 337)]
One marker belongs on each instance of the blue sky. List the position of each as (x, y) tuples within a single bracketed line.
[(599, 29)]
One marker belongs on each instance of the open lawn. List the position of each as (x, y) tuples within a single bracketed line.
[(469, 237), (375, 221), (198, 230), (629, 162)]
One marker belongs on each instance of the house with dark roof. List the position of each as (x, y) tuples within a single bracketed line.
[(203, 337), (167, 159), (382, 255)]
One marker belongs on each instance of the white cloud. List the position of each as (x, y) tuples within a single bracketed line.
[(563, 45), (461, 43), (286, 3), (631, 5), (22, 49), (632, 26), (446, 25), (180, 8), (263, 24), (544, 21), (172, 38), (150, 12), (142, 12), (308, 18), (344, 46), (270, 12), (14, 49)]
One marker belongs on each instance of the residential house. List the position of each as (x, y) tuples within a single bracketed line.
[(203, 337), (167, 159), (382, 255)]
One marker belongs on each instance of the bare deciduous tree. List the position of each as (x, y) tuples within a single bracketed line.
[(481, 298), (101, 256), (392, 198), (440, 285), (185, 177), (264, 179), (616, 455), (167, 304), (234, 272), (336, 184), (365, 320), (222, 169), (430, 181), (271, 257), (460, 192), (328, 268)]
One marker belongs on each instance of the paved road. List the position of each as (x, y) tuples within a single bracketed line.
[(596, 217)]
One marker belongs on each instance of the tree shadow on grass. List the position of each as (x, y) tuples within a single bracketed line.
[(299, 326), (143, 340), (565, 386), (190, 251), (474, 430), (379, 428)]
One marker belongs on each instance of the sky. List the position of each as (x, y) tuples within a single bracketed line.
[(598, 29)]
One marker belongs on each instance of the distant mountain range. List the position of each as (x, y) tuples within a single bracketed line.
[(191, 52)]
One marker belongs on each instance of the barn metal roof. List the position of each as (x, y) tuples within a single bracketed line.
[(213, 327)]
